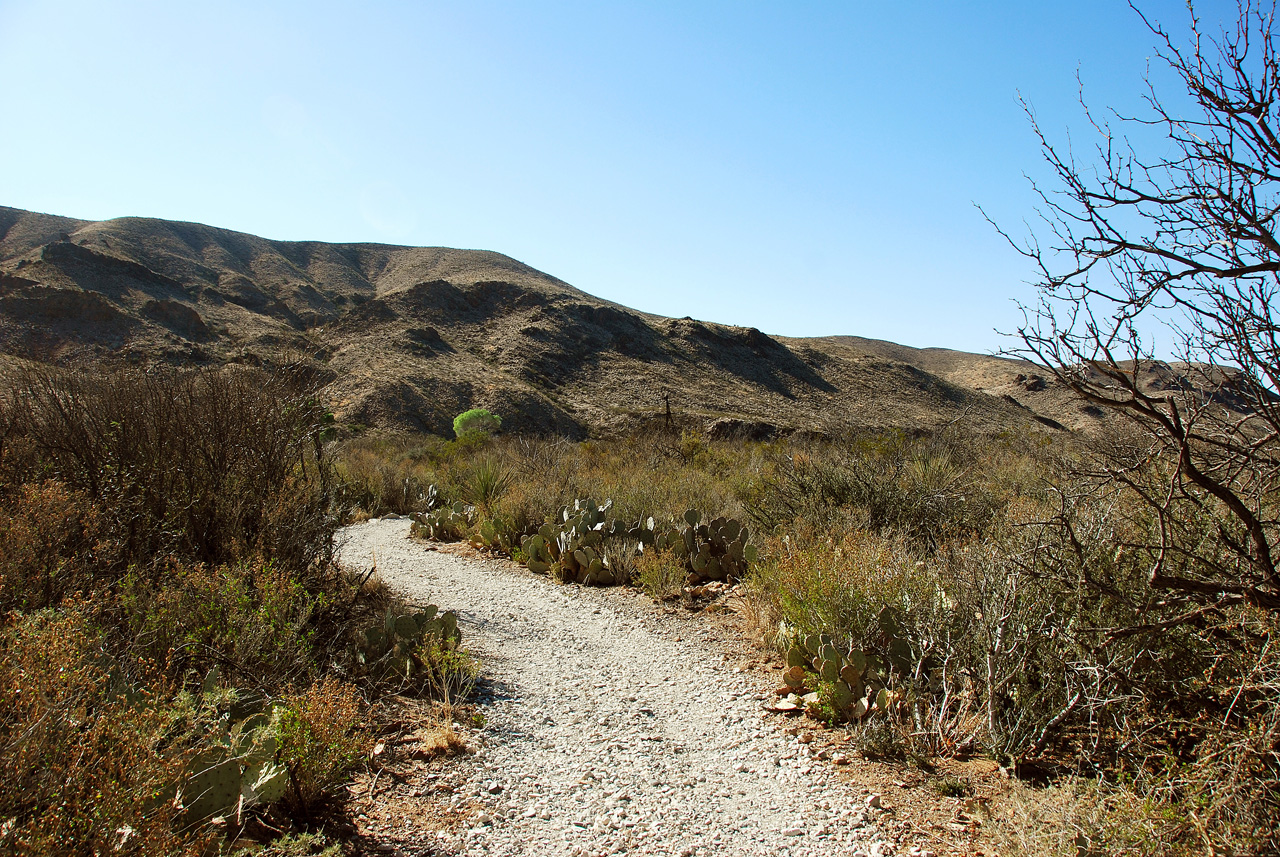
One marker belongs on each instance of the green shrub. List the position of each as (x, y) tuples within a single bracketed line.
[(927, 490), (451, 670), (477, 421), (322, 738), (255, 621)]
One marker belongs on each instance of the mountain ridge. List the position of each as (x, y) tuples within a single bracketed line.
[(406, 337)]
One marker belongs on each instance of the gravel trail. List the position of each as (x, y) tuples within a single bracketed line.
[(606, 733)]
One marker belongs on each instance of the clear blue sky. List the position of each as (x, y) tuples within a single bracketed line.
[(803, 168)]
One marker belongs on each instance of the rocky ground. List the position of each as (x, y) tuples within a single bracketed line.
[(610, 727)]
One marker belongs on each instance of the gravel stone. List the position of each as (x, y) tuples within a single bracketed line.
[(608, 731)]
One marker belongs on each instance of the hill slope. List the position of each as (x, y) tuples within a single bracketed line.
[(410, 336)]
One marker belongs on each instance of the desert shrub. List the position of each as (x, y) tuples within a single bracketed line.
[(212, 465), (477, 421), (254, 620), (928, 489), (153, 525), (77, 747), (879, 738), (821, 585), (322, 738), (521, 510), (451, 671), (516, 484), (382, 474), (51, 545), (660, 574)]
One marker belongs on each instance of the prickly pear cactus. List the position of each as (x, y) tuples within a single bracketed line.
[(491, 535), (585, 545), (716, 550), (238, 767), (446, 523), (393, 648), (851, 683)]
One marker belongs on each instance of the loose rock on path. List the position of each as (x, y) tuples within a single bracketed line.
[(606, 733)]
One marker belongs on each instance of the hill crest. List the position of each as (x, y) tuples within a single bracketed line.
[(407, 337)]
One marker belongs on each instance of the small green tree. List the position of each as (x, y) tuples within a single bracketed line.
[(476, 420)]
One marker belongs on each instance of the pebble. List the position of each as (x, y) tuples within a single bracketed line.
[(604, 734)]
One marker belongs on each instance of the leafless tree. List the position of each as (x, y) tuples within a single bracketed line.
[(1168, 233)]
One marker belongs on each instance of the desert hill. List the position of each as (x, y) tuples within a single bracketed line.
[(409, 336)]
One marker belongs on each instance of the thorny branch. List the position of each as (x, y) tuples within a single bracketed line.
[(1187, 244)]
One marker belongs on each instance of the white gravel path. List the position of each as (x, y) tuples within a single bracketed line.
[(605, 734)]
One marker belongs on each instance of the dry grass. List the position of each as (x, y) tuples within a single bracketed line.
[(440, 737), (660, 575), (1087, 818)]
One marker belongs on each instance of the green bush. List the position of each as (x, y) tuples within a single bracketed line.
[(660, 574), (322, 738), (255, 621), (476, 420)]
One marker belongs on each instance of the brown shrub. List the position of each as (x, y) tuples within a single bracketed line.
[(208, 465), (76, 748), (50, 545)]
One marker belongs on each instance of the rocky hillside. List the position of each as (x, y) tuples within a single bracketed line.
[(409, 336)]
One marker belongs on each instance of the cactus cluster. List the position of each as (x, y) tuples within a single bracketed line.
[(850, 682), (445, 524), (492, 535), (393, 648), (717, 550), (238, 767), (584, 546)]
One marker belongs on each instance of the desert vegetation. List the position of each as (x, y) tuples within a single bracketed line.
[(181, 656), (1096, 611), (992, 592)]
